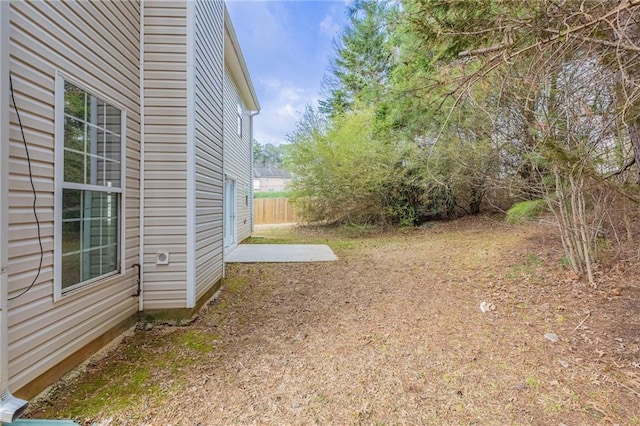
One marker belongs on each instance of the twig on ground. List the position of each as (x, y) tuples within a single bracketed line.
[(582, 322)]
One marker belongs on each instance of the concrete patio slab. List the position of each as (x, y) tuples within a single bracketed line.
[(272, 253)]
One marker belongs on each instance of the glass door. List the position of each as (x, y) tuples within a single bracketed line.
[(229, 212)]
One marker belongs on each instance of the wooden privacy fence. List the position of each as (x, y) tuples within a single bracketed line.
[(273, 210)]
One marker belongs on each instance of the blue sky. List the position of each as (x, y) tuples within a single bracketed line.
[(287, 46)]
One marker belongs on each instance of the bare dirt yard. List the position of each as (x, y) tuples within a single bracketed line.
[(391, 333)]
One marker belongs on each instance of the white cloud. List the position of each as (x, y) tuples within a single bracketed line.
[(286, 45), (270, 82), (287, 111), (329, 27), (292, 94), (281, 109)]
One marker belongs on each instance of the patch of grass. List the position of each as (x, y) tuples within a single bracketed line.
[(135, 385), (117, 385), (594, 412), (534, 260), (343, 244), (527, 270), (323, 399), (336, 238), (532, 382), (131, 376), (357, 230), (551, 405), (525, 210), (235, 285), (273, 194), (195, 340), (564, 262)]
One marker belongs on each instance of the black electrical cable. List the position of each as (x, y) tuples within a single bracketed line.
[(33, 189)]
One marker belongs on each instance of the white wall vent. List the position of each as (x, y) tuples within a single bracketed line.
[(162, 258)]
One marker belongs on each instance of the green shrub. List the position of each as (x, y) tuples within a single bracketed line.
[(525, 210)]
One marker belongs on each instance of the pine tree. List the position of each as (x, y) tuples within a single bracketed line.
[(363, 58)]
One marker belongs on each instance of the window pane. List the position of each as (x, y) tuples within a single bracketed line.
[(111, 174), (92, 109), (70, 270), (74, 101), (113, 120), (71, 235), (90, 237), (110, 258), (73, 167), (74, 136), (109, 231), (112, 146), (96, 132), (95, 140), (90, 170), (71, 200), (91, 264)]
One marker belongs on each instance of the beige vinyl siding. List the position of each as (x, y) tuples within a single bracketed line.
[(165, 163), (208, 73), (97, 44), (237, 154)]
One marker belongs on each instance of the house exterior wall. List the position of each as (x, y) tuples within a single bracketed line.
[(237, 154), (180, 62), (96, 44), (165, 164), (208, 86)]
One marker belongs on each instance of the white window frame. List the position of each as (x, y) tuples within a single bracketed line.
[(240, 113), (59, 185)]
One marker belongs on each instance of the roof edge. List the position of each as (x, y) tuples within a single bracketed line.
[(233, 56)]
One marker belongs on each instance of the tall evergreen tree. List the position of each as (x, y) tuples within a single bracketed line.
[(362, 58)]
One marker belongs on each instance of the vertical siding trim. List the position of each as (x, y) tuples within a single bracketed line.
[(224, 143), (58, 138), (251, 207), (122, 214), (141, 168), (191, 157), (4, 200)]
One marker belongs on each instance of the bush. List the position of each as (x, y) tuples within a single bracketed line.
[(525, 210), (343, 171)]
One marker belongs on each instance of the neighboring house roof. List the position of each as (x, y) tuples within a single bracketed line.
[(235, 60), (270, 172)]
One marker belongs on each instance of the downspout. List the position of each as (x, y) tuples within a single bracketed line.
[(251, 115), (140, 292), (10, 406)]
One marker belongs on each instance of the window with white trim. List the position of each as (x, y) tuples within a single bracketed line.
[(239, 119), (92, 142)]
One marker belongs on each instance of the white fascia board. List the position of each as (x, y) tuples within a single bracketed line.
[(233, 56)]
